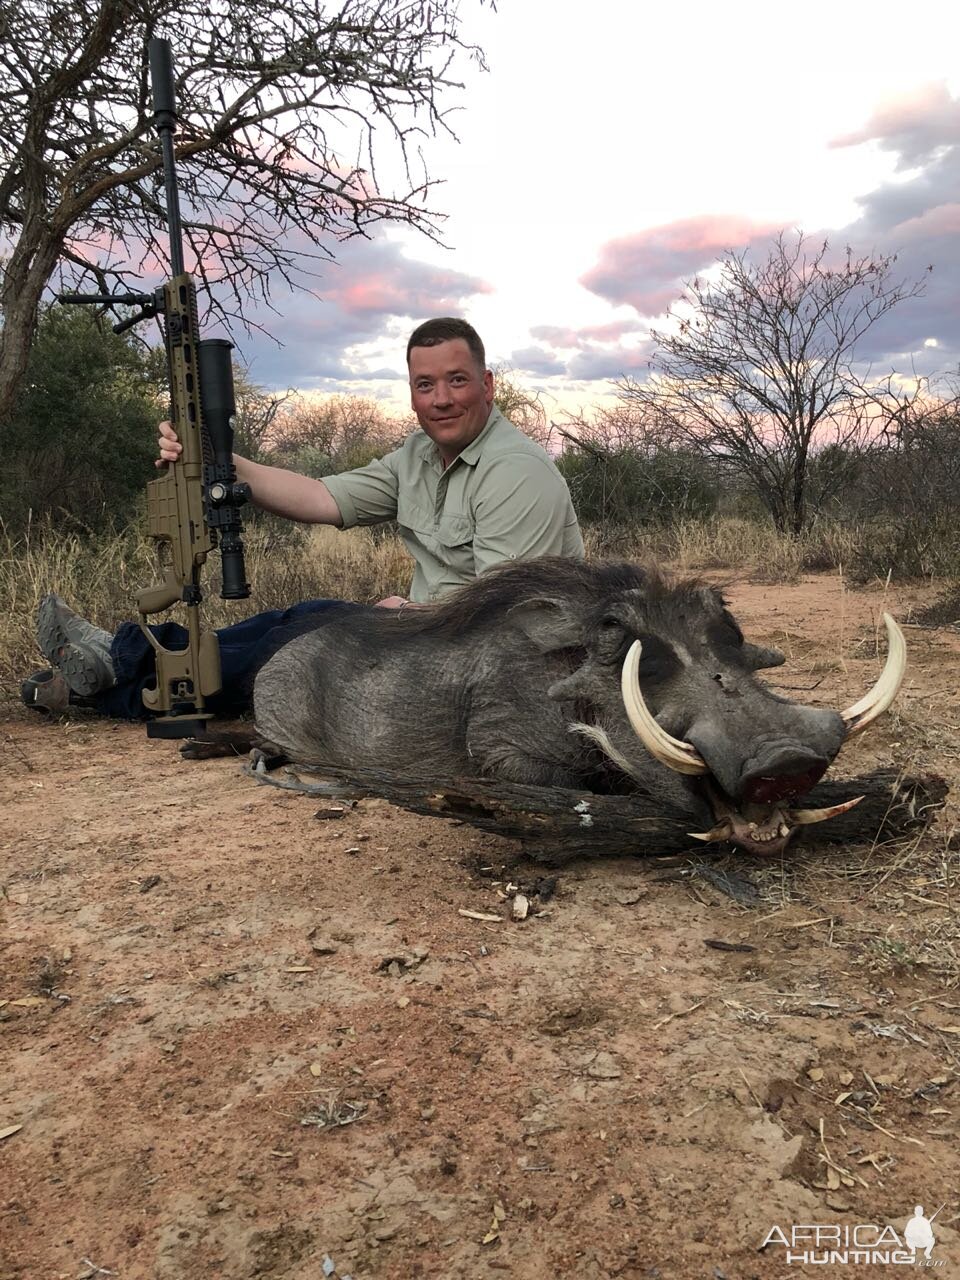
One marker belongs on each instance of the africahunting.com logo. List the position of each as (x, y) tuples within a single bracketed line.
[(864, 1242)]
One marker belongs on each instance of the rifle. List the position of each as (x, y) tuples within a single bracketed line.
[(194, 506)]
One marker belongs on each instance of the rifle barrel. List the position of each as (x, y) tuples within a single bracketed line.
[(165, 123)]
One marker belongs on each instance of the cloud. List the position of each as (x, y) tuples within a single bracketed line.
[(576, 339), (618, 362), (588, 354), (537, 360), (355, 322), (914, 219), (646, 270), (918, 219), (914, 125)]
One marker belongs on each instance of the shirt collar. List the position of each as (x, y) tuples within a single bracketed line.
[(471, 454)]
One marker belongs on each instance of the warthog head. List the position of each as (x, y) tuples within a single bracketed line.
[(562, 672)]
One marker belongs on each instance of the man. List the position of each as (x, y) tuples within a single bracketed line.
[(468, 491)]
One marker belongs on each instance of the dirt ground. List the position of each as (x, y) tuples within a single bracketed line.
[(241, 1040)]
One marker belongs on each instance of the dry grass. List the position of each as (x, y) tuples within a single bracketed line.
[(730, 542), (100, 577)]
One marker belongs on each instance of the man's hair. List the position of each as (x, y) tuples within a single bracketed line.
[(444, 329)]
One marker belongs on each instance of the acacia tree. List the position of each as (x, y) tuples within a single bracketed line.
[(321, 435), (274, 96), (522, 407), (761, 371)]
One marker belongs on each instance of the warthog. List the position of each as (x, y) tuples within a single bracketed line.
[(555, 672)]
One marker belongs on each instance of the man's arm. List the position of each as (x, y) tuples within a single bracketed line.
[(285, 493), (522, 510)]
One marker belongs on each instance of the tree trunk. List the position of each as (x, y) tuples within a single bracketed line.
[(798, 513), (24, 278), (556, 825)]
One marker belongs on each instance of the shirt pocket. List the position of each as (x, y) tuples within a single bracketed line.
[(447, 535), (455, 533)]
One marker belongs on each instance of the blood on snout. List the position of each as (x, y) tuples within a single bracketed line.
[(786, 786)]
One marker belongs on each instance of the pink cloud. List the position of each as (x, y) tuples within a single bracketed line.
[(401, 288), (646, 270), (942, 221), (566, 339), (914, 124)]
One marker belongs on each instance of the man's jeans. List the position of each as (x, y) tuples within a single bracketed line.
[(244, 648)]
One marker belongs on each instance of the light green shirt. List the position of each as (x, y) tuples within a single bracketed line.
[(501, 499)]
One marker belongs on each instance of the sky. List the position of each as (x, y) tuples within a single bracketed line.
[(614, 150)]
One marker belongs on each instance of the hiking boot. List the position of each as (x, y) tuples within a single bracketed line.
[(48, 691), (76, 648)]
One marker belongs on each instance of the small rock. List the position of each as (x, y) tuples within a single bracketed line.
[(603, 1067), (322, 945), (629, 897)]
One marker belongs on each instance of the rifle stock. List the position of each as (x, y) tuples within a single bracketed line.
[(194, 506)]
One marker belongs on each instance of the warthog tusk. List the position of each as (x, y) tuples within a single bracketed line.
[(722, 831), (807, 817), (874, 703), (670, 751)]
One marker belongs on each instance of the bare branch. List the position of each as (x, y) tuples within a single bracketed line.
[(273, 98), (760, 373)]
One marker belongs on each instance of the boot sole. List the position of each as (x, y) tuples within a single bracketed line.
[(83, 672)]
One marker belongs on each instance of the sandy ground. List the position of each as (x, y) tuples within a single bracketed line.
[(242, 1040)]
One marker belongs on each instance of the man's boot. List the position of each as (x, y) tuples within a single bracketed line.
[(76, 648), (48, 691)]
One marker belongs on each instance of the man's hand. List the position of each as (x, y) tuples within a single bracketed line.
[(397, 602), (168, 444), (274, 489)]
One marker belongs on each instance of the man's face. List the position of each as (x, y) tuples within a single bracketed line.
[(450, 395)]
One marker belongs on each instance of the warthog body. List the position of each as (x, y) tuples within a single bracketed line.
[(518, 677)]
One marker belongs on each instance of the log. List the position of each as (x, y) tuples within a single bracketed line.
[(556, 824)]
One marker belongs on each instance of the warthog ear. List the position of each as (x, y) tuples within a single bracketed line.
[(550, 623), (757, 657)]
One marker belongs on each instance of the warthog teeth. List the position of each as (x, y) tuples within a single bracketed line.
[(807, 817), (722, 831)]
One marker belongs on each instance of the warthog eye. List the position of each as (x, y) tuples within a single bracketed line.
[(612, 639)]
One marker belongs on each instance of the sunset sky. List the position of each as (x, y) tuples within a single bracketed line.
[(614, 150)]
